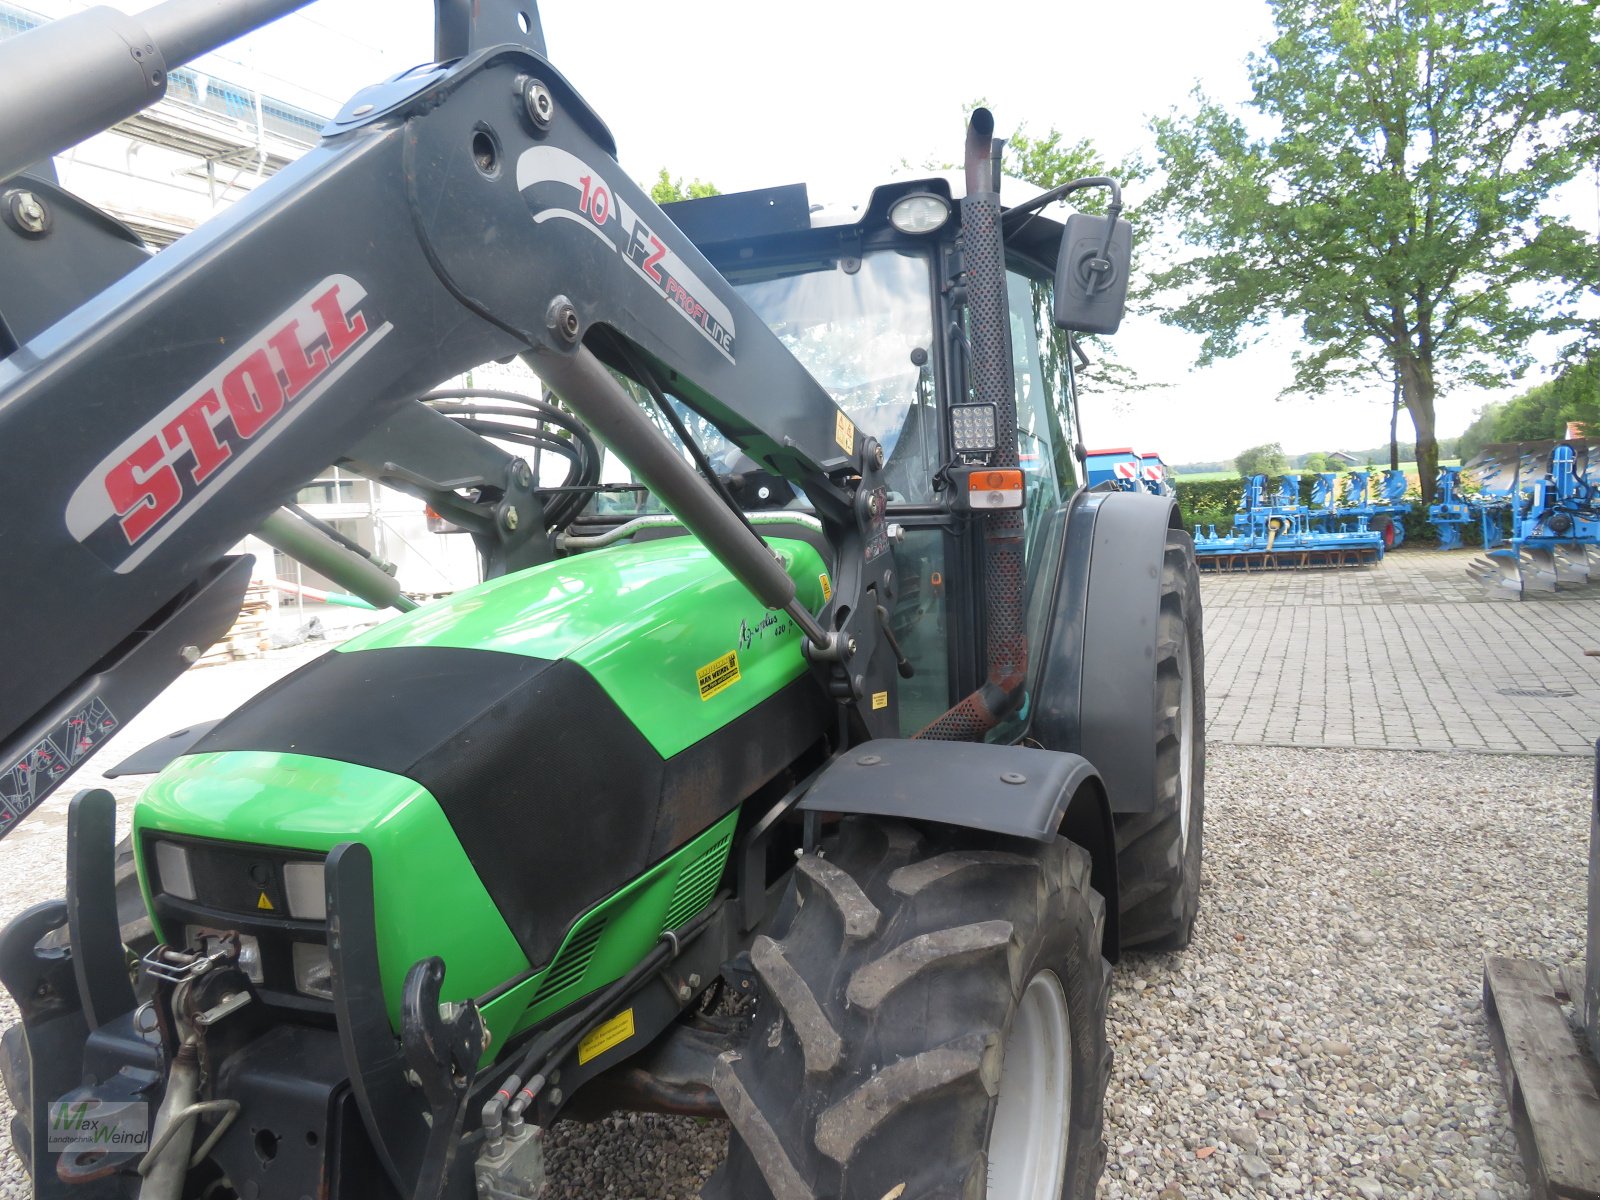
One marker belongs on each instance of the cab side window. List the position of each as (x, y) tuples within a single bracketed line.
[(1040, 367)]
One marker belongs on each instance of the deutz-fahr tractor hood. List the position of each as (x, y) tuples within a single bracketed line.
[(546, 769)]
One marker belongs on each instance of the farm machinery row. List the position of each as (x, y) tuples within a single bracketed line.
[(1534, 505), (1351, 520)]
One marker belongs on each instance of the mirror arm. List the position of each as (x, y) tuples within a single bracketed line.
[(1102, 266), (1065, 190)]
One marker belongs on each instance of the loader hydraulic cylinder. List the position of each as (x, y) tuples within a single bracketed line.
[(322, 554), (585, 384), (72, 78)]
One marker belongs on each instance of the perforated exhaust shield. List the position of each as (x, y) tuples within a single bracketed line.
[(989, 331)]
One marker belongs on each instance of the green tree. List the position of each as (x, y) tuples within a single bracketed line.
[(1315, 462), (1542, 412), (1388, 193), (1267, 459), (667, 190), (1048, 160), (1480, 433), (1538, 414)]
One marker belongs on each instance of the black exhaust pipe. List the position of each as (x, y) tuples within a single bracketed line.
[(989, 328)]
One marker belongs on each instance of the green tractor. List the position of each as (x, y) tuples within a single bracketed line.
[(810, 751)]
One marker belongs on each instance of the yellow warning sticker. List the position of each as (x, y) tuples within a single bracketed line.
[(263, 903), (600, 1039), (880, 700), (718, 674), (827, 588), (844, 432)]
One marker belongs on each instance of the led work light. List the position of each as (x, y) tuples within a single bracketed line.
[(972, 428)]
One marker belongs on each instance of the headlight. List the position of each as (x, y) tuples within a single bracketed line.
[(313, 972), (307, 890), (172, 870), (920, 212)]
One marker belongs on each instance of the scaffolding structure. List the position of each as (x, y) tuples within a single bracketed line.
[(216, 139)]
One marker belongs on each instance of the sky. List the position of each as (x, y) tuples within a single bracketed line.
[(837, 94)]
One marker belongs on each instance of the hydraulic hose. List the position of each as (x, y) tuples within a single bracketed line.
[(627, 529), (513, 1097), (173, 1134), (582, 452)]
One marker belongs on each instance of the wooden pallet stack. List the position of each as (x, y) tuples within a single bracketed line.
[(249, 636)]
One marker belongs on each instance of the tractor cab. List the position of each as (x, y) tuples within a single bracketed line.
[(869, 300)]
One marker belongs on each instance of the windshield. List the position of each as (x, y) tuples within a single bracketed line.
[(857, 326), (854, 324)]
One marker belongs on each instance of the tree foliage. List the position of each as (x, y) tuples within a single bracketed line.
[(1267, 459), (1541, 412), (667, 190), (1388, 193)]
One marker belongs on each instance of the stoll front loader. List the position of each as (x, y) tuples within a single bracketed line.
[(808, 778)]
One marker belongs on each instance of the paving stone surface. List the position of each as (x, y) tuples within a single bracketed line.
[(1407, 654)]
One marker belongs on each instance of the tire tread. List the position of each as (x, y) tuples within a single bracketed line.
[(921, 1005)]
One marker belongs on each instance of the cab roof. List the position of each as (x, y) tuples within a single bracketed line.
[(716, 223)]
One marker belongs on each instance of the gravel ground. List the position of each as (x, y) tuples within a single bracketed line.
[(1324, 1035)]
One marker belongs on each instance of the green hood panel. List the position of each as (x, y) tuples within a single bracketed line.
[(428, 899), (652, 622)]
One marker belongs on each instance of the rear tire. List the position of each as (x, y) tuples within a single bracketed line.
[(876, 1064), (1159, 852)]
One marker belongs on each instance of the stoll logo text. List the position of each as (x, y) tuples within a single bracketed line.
[(108, 1125)]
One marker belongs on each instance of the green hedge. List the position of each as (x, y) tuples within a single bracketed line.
[(1209, 502)]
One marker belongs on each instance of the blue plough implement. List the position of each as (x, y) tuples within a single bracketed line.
[(1380, 500), (1539, 504)]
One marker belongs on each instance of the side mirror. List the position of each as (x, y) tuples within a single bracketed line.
[(1091, 291)]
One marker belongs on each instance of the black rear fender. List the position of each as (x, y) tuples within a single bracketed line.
[(1096, 674)]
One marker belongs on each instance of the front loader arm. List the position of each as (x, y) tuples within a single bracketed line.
[(448, 218)]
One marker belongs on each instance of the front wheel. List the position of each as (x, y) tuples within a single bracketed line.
[(931, 1024)]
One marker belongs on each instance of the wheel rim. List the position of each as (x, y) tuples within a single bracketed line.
[(1185, 744), (1028, 1144)]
